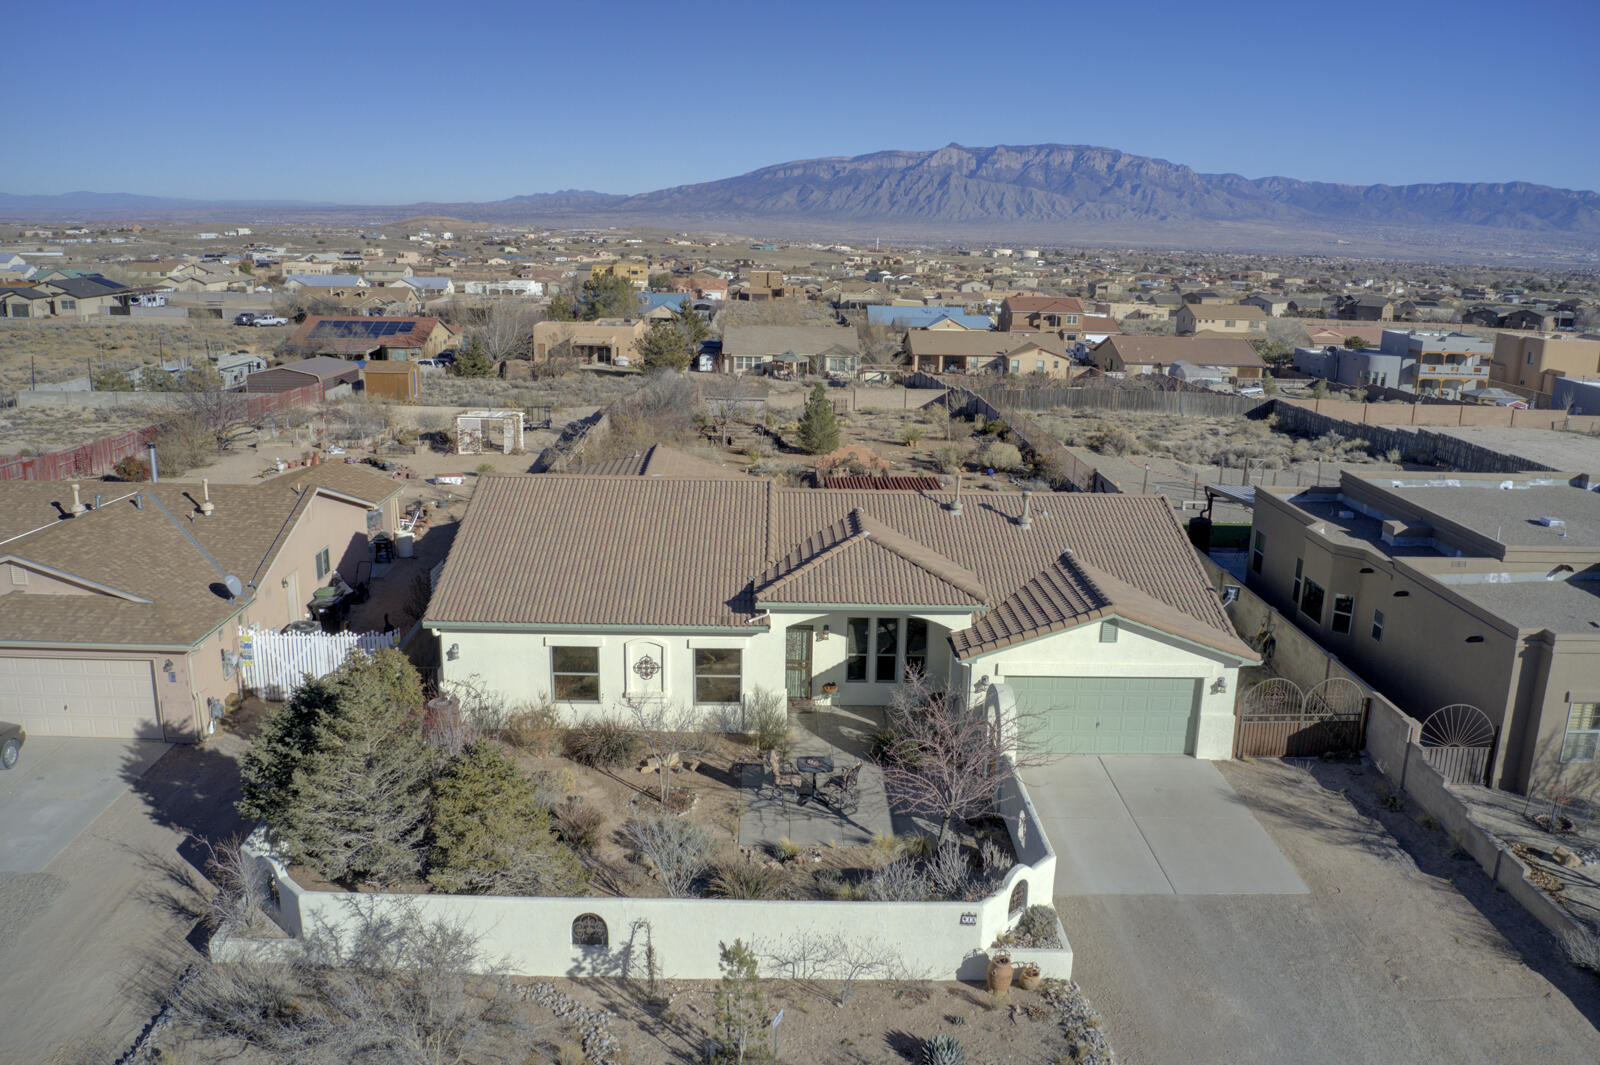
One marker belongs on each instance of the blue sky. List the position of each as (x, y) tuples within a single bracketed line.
[(397, 102)]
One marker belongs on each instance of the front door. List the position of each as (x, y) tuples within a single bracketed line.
[(797, 661)]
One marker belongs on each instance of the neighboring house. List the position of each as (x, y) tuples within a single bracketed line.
[(384, 300), (1535, 362), (1219, 318), (514, 286), (26, 301), (636, 273), (333, 285), (1365, 309), (425, 287), (822, 348), (701, 288), (974, 351), (1576, 395), (115, 617), (1232, 357), (1271, 305), (389, 273), (1475, 588), (1092, 607), (1433, 364), (934, 317), (763, 285), (1539, 319), (324, 370), (1061, 315), (605, 341), (369, 337), (87, 296)]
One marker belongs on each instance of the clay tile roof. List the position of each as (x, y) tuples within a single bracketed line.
[(1046, 304), (659, 460), (1201, 351), (859, 559), (550, 551)]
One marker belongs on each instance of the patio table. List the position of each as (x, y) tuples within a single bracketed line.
[(811, 765)]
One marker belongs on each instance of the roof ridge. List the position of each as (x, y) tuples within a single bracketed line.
[(899, 544)]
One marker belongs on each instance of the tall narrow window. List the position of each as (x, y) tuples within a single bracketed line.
[(1377, 626), (916, 646), (1311, 596), (324, 564), (1582, 739), (887, 650), (717, 675), (1294, 591), (855, 649), (575, 673), (1258, 554), (1344, 609)]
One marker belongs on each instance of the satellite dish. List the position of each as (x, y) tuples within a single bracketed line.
[(232, 583)]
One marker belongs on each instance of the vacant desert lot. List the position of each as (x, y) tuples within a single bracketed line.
[(58, 349)]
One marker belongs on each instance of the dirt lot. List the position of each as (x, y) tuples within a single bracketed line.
[(59, 348)]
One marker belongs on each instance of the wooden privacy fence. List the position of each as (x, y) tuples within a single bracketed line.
[(273, 663), (96, 458)]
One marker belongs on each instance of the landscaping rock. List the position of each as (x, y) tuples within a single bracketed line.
[(600, 1046)]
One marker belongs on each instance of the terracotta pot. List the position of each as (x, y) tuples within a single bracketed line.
[(1028, 977), (1000, 972)]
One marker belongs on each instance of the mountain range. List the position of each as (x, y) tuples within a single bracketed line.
[(1048, 193)]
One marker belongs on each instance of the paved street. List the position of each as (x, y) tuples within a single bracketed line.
[(90, 933)]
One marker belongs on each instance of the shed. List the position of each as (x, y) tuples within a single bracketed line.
[(391, 380), (324, 370)]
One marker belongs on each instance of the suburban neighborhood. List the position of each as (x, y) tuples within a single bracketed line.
[(536, 598)]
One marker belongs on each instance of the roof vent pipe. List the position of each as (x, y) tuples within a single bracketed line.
[(1026, 521), (154, 474), (207, 507), (955, 504), (77, 504)]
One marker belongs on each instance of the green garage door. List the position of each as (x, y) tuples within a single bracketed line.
[(1111, 715)]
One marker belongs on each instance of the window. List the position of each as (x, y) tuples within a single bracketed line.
[(1377, 625), (1228, 323), (589, 930), (717, 675), (576, 673), (324, 565), (1344, 610), (1108, 631), (916, 646), (1016, 365), (746, 363), (68, 305), (1039, 366), (1258, 553), (855, 650), (1294, 591), (888, 651), (1583, 733), (1530, 358), (1311, 596)]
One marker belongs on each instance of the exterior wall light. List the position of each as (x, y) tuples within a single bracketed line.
[(454, 652)]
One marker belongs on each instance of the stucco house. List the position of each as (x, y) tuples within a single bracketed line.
[(1093, 608), (976, 351), (1232, 358), (116, 619)]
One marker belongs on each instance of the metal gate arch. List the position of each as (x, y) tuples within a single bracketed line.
[(1458, 740), (1278, 719)]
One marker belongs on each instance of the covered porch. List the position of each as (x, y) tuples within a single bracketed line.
[(855, 660)]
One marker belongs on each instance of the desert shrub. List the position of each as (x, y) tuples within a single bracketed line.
[(950, 458), (578, 824), (491, 835), (601, 744), (534, 728), (1113, 440), (676, 847), (1000, 456), (899, 881), (994, 427), (132, 468), (767, 715), (1038, 924), (949, 873), (747, 880)]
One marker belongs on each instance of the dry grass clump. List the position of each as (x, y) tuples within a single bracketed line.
[(1199, 441)]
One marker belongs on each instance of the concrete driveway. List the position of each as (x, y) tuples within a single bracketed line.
[(1397, 954), (1157, 825), (60, 785)]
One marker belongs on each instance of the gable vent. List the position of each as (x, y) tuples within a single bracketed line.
[(18, 575)]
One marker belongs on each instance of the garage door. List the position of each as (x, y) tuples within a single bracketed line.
[(111, 698), (1111, 715)]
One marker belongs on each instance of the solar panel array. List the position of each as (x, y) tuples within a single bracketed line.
[(358, 328)]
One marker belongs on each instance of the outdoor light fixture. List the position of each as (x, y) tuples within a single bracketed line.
[(1220, 686), (454, 652), (166, 667), (824, 635)]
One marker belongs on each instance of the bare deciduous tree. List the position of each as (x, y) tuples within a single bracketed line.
[(671, 733), (678, 849)]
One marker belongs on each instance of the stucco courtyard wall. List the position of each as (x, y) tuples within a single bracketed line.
[(533, 936)]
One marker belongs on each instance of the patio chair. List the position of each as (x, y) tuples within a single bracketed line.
[(843, 790), (779, 779)]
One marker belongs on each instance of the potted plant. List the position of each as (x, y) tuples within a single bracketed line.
[(1000, 972), (829, 690), (1028, 976)]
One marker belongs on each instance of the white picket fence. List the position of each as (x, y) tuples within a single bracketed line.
[(274, 662)]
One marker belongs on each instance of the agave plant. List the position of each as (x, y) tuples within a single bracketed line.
[(943, 1050)]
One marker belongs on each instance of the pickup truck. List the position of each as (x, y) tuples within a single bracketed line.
[(269, 319)]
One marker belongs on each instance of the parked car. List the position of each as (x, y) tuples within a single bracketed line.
[(11, 737), (244, 319), (270, 319), (431, 365)]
